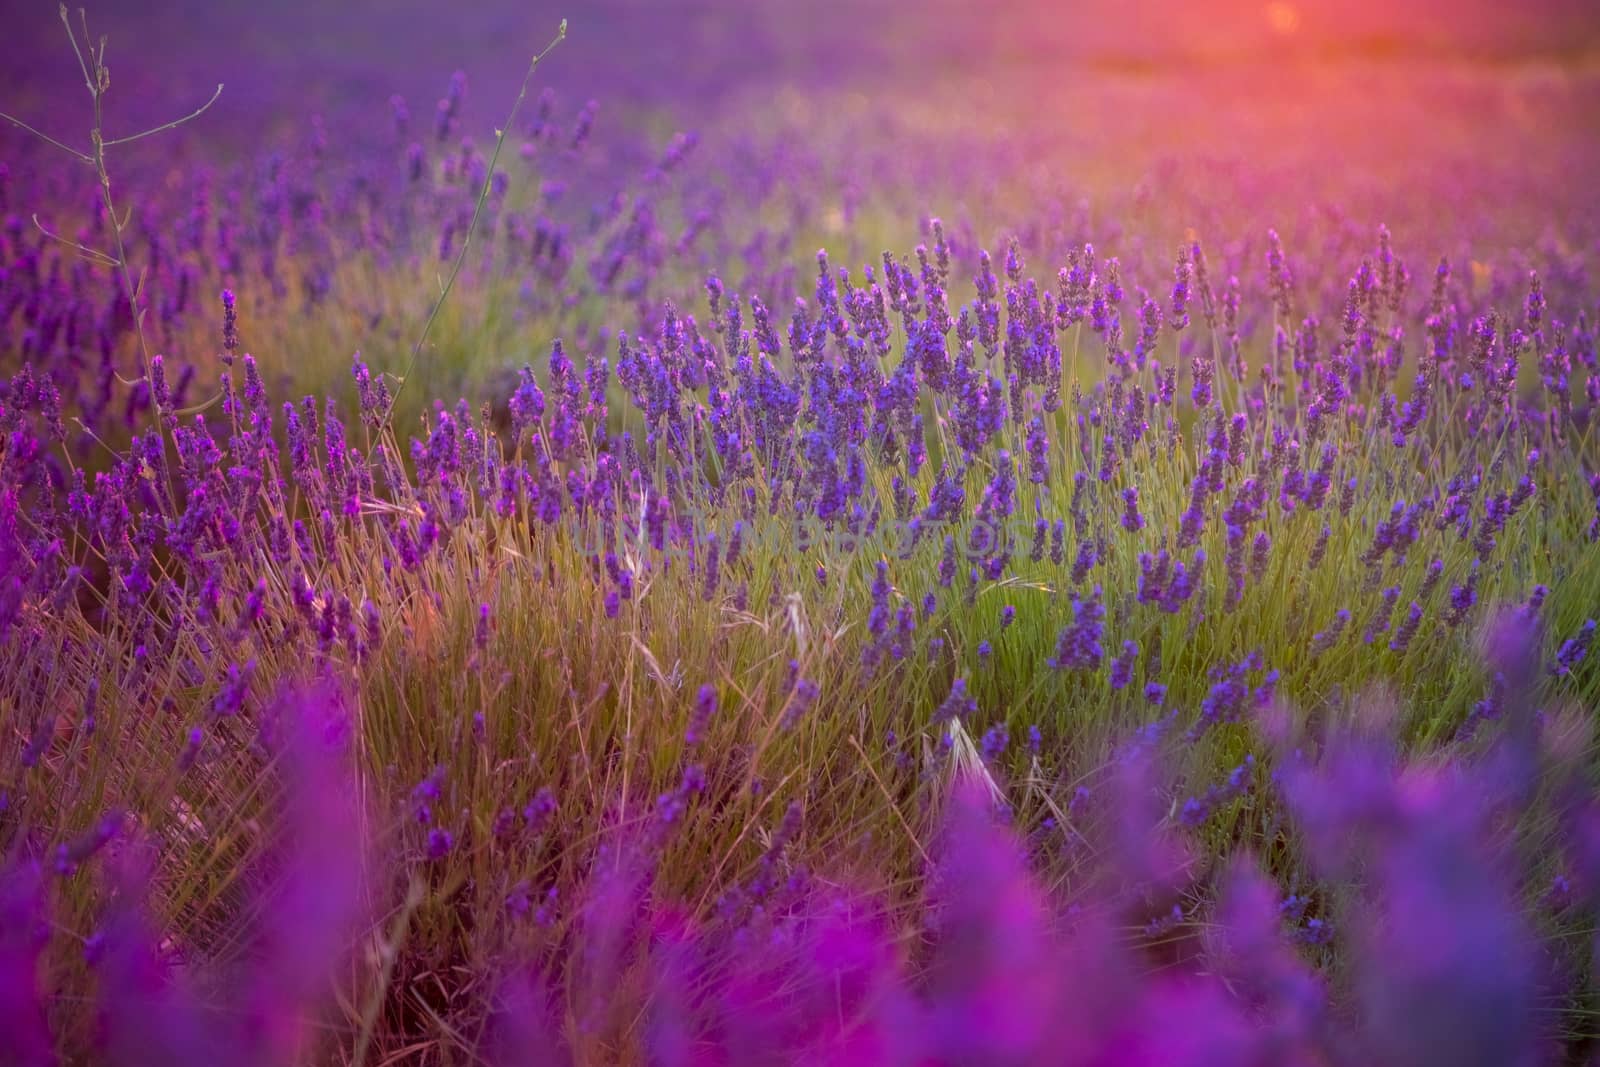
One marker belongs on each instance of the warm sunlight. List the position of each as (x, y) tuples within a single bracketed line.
[(856, 533), (1284, 18)]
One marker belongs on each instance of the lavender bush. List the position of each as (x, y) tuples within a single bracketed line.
[(496, 593)]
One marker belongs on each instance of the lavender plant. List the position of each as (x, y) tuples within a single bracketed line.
[(1111, 646)]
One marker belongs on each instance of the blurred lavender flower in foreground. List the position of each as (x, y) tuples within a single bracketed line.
[(307, 914), (1442, 965)]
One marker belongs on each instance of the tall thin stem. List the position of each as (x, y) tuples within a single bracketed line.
[(477, 213), (97, 79)]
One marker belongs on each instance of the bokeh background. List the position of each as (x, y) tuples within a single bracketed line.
[(695, 58), (1468, 128)]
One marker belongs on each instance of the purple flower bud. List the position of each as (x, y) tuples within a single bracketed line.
[(1326, 639), (1078, 645), (1132, 521), (1574, 649), (230, 327), (1407, 629), (800, 702), (43, 734), (1122, 666), (1462, 599), (957, 705), (705, 706), (426, 793), (538, 812)]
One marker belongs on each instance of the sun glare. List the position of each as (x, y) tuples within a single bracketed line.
[(1283, 18)]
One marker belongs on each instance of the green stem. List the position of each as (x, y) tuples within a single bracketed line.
[(477, 213)]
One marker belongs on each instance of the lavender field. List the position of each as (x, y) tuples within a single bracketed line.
[(848, 533)]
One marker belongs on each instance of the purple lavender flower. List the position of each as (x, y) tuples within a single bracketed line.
[(1379, 623), (957, 705), (1234, 564), (1319, 549), (1204, 372), (1574, 649), (537, 813), (1122, 665), (1430, 579), (1194, 812), (1084, 560), (71, 855), (1260, 553), (1078, 645), (22, 917), (705, 706), (43, 734), (713, 568), (995, 741), (1462, 598), (1185, 580), (191, 750), (230, 327), (480, 638), (426, 793), (1323, 640), (800, 702), (1038, 450), (1132, 521), (1179, 317), (1407, 629), (440, 843), (1154, 572), (230, 698)]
